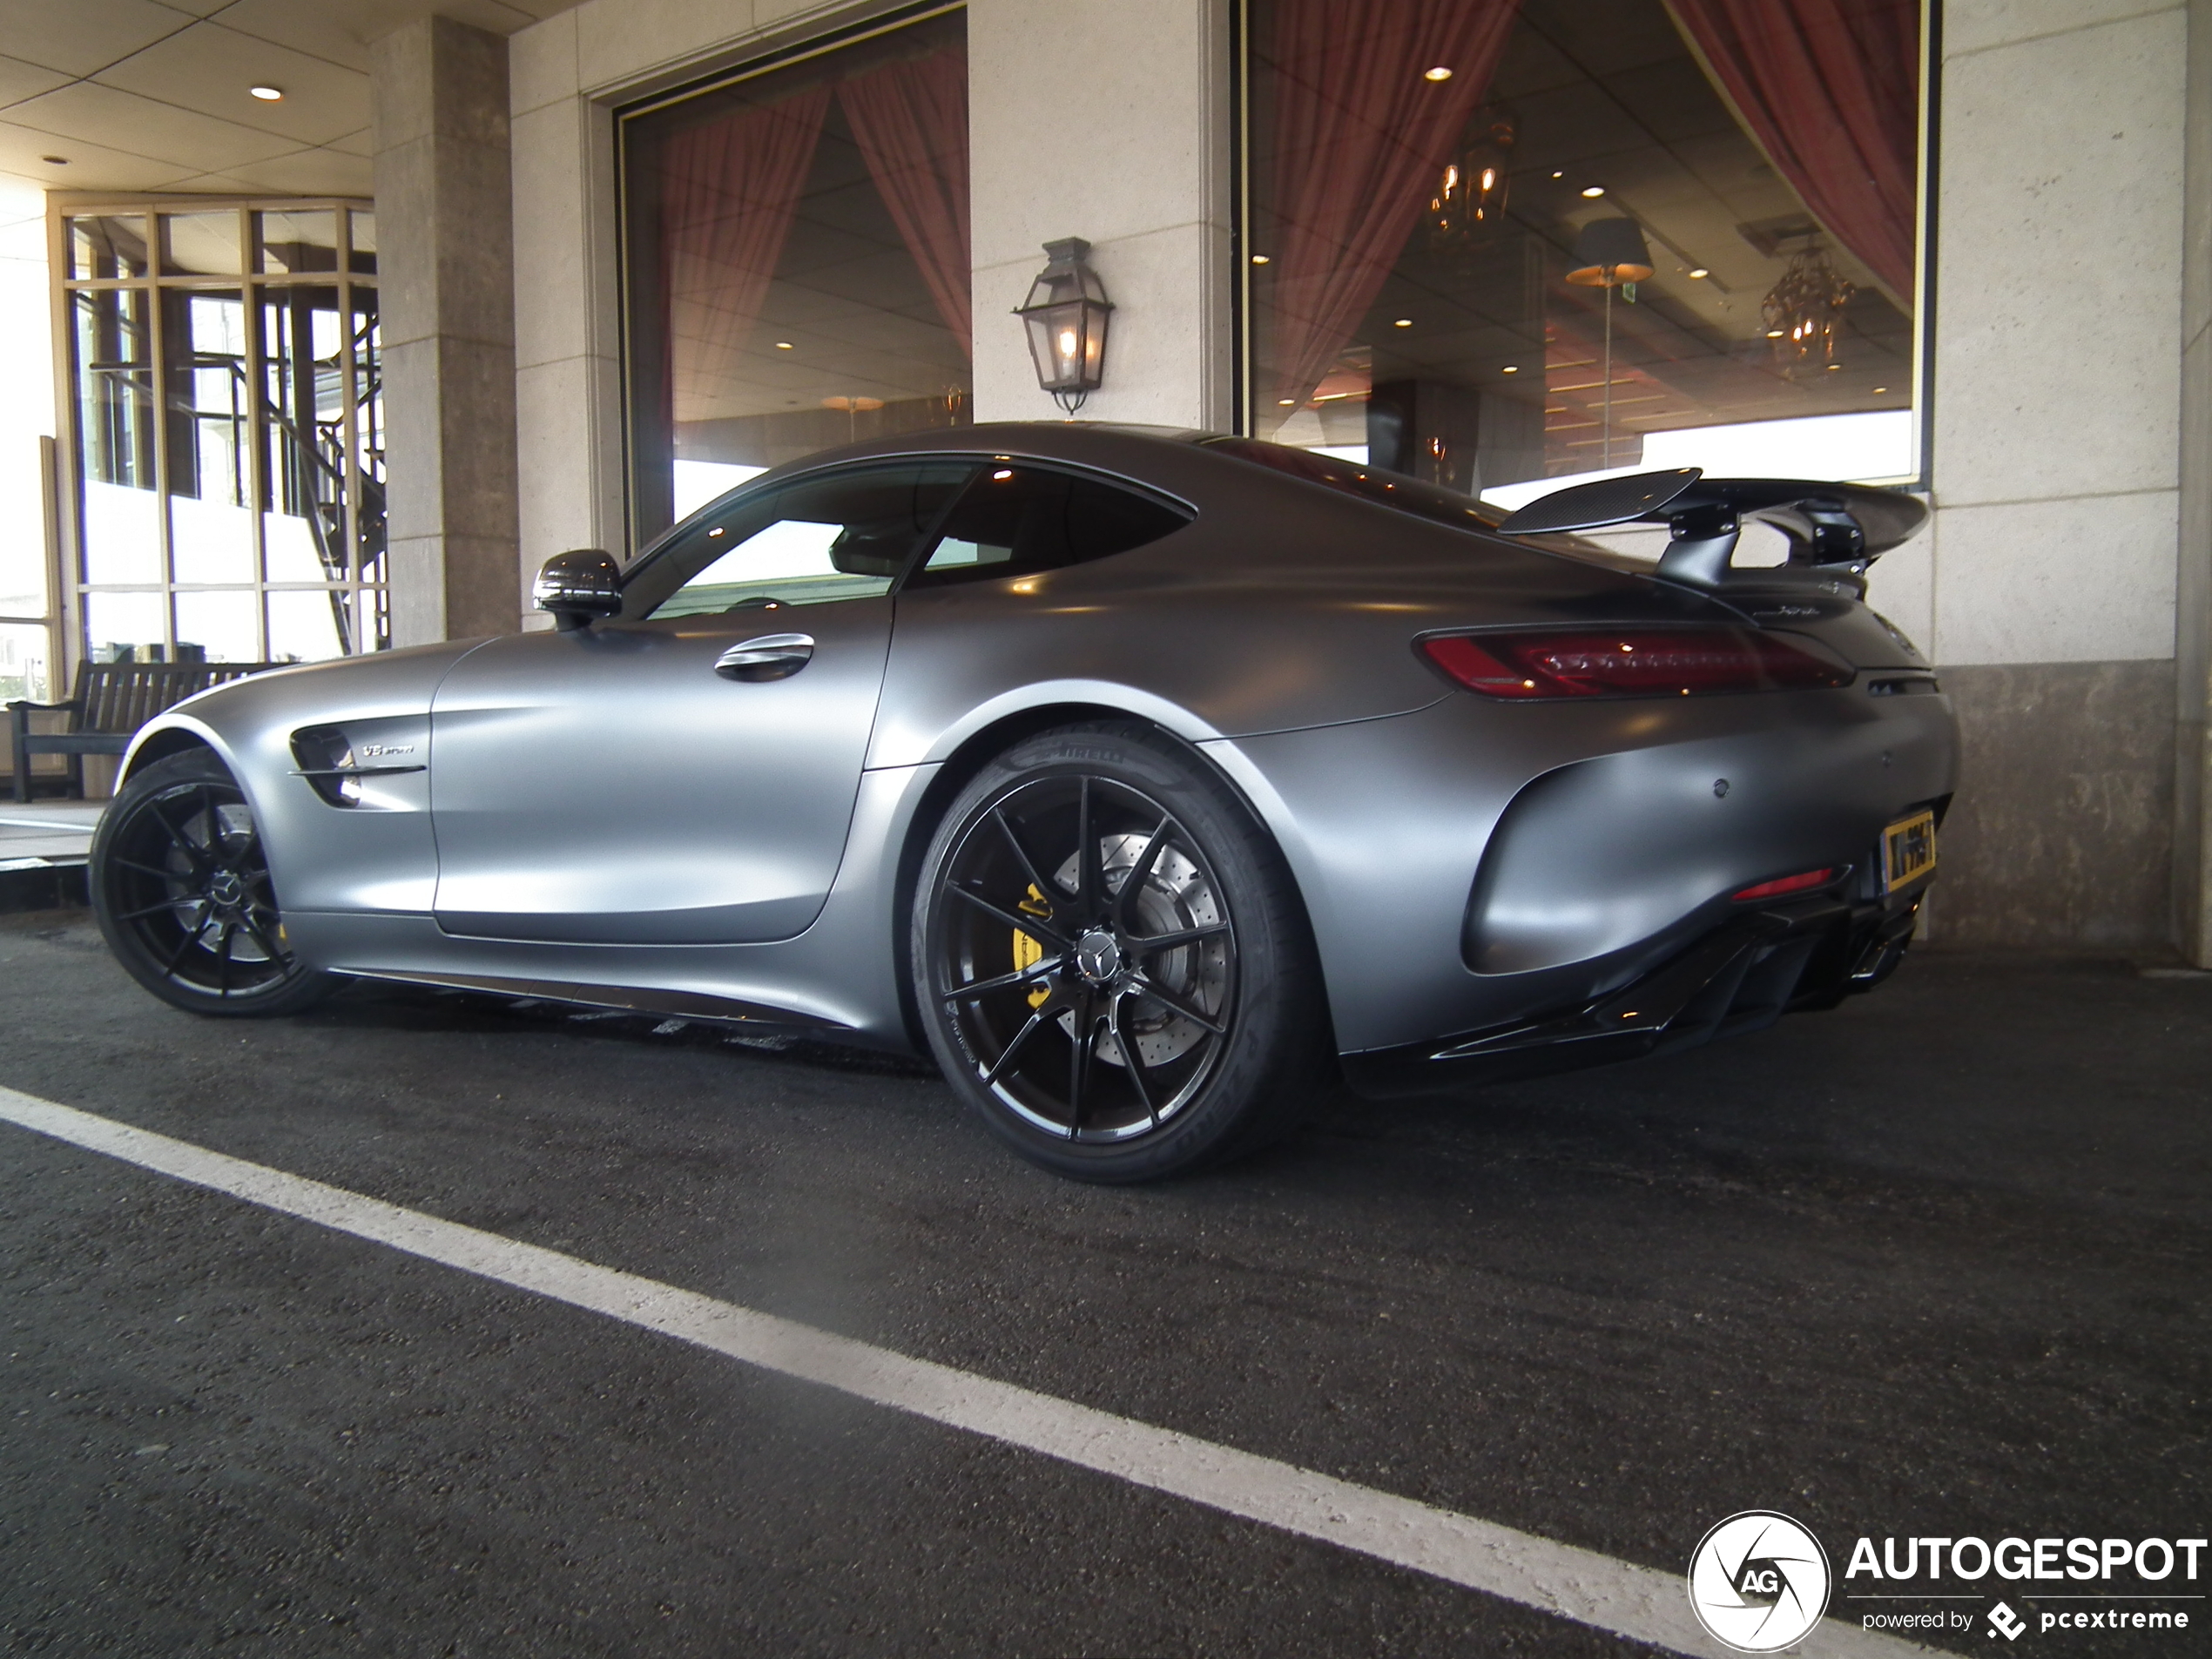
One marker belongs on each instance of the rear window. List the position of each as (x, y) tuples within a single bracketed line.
[(1368, 484), (1410, 496)]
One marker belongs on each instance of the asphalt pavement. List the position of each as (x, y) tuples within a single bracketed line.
[(1931, 1265)]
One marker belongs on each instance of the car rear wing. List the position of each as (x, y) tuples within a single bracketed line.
[(1834, 528)]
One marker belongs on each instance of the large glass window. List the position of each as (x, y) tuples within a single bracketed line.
[(796, 244), (1494, 243), (227, 431)]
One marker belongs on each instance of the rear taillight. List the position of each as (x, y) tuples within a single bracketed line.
[(1526, 664), (1784, 885)]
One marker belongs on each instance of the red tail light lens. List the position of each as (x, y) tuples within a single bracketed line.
[(1629, 662), (1789, 884)]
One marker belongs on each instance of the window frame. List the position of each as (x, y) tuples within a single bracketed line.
[(627, 300), (1924, 299), (367, 598)]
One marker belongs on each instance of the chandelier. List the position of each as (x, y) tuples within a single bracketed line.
[(1470, 201), (1804, 311)]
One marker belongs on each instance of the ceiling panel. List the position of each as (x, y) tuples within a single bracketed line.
[(91, 166), (340, 31), (199, 143), (84, 35), (20, 80), (169, 109), (208, 67), (304, 173)]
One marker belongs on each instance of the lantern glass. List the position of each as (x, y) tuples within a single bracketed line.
[(1065, 317)]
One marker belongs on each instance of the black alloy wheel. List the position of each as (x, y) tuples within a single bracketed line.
[(1112, 964), (181, 887)]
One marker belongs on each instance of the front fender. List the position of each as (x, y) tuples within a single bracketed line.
[(376, 857)]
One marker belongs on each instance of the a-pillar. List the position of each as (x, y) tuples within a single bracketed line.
[(445, 273)]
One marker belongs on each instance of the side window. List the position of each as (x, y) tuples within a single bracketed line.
[(1015, 520), (844, 536)]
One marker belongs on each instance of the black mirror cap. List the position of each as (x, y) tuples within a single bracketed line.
[(579, 587)]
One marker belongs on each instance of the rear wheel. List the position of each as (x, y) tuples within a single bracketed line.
[(181, 887), (1110, 962)]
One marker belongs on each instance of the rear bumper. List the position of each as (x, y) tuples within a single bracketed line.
[(1741, 977)]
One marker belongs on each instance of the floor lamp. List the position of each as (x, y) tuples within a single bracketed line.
[(1608, 253)]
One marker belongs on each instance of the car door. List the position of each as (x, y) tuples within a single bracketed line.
[(683, 773)]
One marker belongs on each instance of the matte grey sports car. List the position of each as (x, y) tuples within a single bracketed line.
[(1144, 778)]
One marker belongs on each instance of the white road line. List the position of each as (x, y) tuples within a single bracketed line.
[(1578, 1584)]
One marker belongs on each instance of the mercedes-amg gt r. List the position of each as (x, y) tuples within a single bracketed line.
[(1148, 780)]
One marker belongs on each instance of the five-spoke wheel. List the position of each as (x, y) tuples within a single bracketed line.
[(1109, 958), (181, 887)]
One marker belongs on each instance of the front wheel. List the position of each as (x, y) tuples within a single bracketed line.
[(1110, 961), (181, 887)]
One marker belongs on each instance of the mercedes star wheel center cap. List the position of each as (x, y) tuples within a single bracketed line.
[(1098, 956), (226, 889)]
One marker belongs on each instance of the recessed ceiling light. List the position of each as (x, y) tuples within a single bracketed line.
[(1594, 191), (783, 345), (1287, 402), (1403, 322), (1439, 73), (1881, 388), (1700, 272), (1259, 259), (55, 161), (1559, 175), (1832, 368), (267, 94), (1512, 368), (1774, 334)]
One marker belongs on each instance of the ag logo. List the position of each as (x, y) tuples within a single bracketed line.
[(1758, 1581)]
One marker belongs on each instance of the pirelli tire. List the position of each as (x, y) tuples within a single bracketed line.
[(1111, 962), (181, 887)]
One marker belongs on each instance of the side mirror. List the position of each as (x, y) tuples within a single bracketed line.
[(579, 587)]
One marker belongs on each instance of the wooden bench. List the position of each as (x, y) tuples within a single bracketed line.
[(112, 700)]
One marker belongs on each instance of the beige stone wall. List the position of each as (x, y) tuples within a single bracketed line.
[(2193, 676), (1109, 122), (2046, 585)]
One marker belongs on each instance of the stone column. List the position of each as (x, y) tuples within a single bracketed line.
[(2193, 627), (446, 278), (1108, 120)]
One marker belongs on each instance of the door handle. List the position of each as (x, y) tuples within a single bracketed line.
[(770, 657)]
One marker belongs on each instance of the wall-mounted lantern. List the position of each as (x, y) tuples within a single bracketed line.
[(1066, 315)]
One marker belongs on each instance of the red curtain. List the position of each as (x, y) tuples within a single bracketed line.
[(1831, 89), (910, 120), (729, 189), (1360, 138)]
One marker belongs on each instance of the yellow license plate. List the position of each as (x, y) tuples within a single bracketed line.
[(1908, 850)]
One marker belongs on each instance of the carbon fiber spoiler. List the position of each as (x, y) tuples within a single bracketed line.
[(1835, 528)]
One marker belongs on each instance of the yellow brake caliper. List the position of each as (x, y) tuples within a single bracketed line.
[(1027, 951)]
